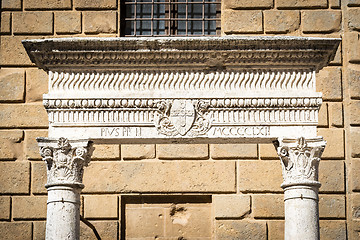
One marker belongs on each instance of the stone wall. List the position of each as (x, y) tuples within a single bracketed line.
[(170, 191)]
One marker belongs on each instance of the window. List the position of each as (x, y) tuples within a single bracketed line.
[(170, 17)]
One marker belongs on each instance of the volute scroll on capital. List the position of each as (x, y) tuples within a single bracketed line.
[(65, 160), (300, 160)]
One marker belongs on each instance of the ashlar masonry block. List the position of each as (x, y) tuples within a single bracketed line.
[(268, 205), (12, 52), (231, 206), (108, 210), (335, 143), (47, 4), (321, 21), (332, 229), (10, 144), (25, 207), (241, 4), (328, 81), (336, 114), (15, 177), (31, 146), (241, 229), (355, 169), (67, 22), (182, 151), (301, 3), (33, 115), (100, 22), (108, 230), (281, 21), (5, 23), (332, 206), (138, 151), (331, 176), (11, 4), (38, 177), (233, 151), (353, 78), (12, 83), (355, 142), (5, 202), (16, 230), (354, 18), (33, 22), (99, 4), (355, 112), (242, 21)]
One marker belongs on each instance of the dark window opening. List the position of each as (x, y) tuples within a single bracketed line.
[(170, 17)]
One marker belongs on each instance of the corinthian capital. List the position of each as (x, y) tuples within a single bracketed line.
[(65, 160), (300, 160)]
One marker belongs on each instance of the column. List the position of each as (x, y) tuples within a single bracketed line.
[(300, 164), (65, 160)]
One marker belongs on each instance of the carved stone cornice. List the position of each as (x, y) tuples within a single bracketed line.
[(65, 160), (300, 160)]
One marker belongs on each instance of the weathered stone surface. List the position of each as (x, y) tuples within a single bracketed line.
[(354, 18), (355, 166), (33, 22), (100, 22), (355, 112), (10, 144), (11, 4), (355, 142), (335, 143), (106, 151), (270, 172), (235, 229), (12, 51), (67, 22), (15, 177), (138, 151), (241, 4), (335, 3), (231, 206), (5, 207), (353, 3), (101, 4), (328, 81), (352, 50), (107, 230), (12, 81), (355, 206), (323, 116), (231, 151), (39, 229), (38, 177), (25, 207), (286, 21), (182, 151), (36, 84), (31, 145), (108, 210), (301, 3), (276, 229), (336, 114), (321, 21), (243, 21), (354, 82), (332, 229), (268, 205), (331, 176), (268, 151), (332, 206), (32, 115), (184, 176), (16, 230), (47, 4), (5, 22)]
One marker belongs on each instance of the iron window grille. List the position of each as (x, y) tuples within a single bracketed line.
[(170, 17)]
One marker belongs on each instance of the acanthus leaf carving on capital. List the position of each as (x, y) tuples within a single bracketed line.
[(65, 160), (300, 160)]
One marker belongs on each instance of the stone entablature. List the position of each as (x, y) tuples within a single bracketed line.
[(189, 89)]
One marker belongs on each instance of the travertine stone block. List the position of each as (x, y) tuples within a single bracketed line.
[(336, 114), (11, 4), (268, 205), (335, 3), (32, 115), (229, 151), (5, 23), (39, 229), (15, 230), (33, 22), (67, 22), (268, 151), (25, 207), (107, 230), (100, 22), (38, 177), (323, 116), (328, 81), (338, 56), (5, 207), (182, 151), (138, 151), (355, 206), (12, 81), (106, 151), (12, 51), (331, 176), (335, 143), (182, 176), (301, 3), (276, 229), (243, 21), (332, 229), (36, 84), (100, 4), (354, 82), (355, 141), (14, 177), (355, 112), (47, 4), (332, 206), (321, 21), (240, 229), (352, 47), (355, 170), (231, 206), (241, 4), (354, 18), (353, 3), (10, 146), (108, 210), (31, 146), (270, 172), (285, 21), (151, 220)]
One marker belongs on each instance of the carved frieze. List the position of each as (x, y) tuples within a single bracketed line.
[(65, 160)]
